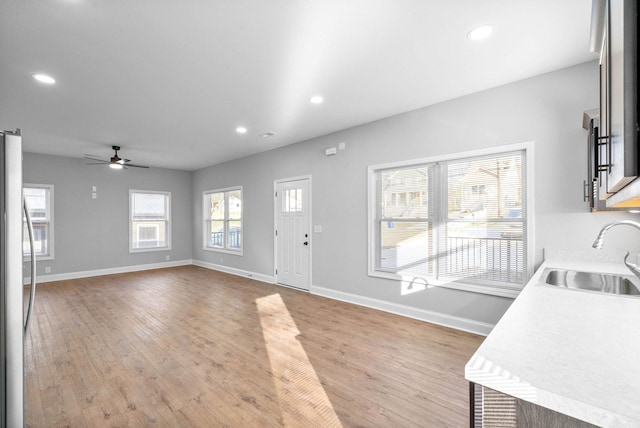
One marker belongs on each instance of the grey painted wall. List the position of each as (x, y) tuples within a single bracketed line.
[(93, 233), (546, 109)]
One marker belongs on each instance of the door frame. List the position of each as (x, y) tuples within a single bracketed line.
[(275, 227)]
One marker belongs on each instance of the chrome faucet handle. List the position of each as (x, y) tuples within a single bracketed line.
[(632, 267)]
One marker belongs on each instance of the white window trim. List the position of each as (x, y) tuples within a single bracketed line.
[(205, 218), (168, 221), (51, 255), (505, 290)]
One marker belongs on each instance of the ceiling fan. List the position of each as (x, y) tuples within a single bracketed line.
[(116, 162)]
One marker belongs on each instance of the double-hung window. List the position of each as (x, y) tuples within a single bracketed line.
[(39, 201), (458, 221), (222, 213), (149, 221)]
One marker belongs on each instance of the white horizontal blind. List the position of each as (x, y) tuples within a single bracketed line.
[(484, 230), (405, 228)]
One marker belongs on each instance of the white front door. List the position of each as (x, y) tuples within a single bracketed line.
[(293, 234)]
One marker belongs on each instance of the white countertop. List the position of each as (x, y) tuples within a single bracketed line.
[(575, 352)]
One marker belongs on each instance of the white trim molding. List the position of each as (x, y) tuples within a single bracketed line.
[(459, 323)]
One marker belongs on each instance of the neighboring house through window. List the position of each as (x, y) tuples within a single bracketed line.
[(222, 213), (150, 220), (456, 221), (39, 200)]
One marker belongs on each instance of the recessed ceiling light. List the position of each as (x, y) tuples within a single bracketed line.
[(43, 78), (268, 134), (316, 99), (480, 33), (241, 130)]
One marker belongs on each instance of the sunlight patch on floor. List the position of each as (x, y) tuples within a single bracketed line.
[(300, 393)]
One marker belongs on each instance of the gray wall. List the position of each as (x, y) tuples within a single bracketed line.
[(546, 109), (93, 233)]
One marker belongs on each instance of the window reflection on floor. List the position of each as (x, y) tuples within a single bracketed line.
[(297, 384)]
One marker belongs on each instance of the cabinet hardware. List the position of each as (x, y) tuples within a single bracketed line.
[(602, 141)]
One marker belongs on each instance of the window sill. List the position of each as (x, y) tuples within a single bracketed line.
[(38, 258), (494, 289), (148, 250), (224, 250)]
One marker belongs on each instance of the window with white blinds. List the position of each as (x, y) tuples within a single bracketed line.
[(149, 221), (453, 221), (39, 201)]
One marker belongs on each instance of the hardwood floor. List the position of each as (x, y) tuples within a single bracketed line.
[(191, 347)]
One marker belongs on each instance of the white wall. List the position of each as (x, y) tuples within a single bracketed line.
[(546, 109), (92, 234)]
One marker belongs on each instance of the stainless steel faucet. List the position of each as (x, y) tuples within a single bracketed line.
[(599, 242)]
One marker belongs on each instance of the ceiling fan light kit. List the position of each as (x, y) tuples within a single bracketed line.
[(116, 162)]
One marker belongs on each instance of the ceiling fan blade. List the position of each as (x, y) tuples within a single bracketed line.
[(123, 161), (136, 166), (95, 159), (96, 163)]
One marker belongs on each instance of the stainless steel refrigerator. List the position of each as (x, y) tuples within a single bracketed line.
[(12, 321)]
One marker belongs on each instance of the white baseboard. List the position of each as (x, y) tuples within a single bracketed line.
[(239, 272), (108, 271), (445, 320)]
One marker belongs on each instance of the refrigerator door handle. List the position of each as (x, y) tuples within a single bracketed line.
[(32, 288)]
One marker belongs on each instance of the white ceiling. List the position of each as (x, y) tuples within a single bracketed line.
[(170, 80)]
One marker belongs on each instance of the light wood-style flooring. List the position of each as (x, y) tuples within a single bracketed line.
[(192, 347)]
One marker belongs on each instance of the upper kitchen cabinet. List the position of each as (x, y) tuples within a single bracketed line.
[(614, 35)]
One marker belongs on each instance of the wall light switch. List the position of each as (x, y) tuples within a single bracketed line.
[(317, 228), (330, 151), (342, 145), (94, 195), (93, 189)]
